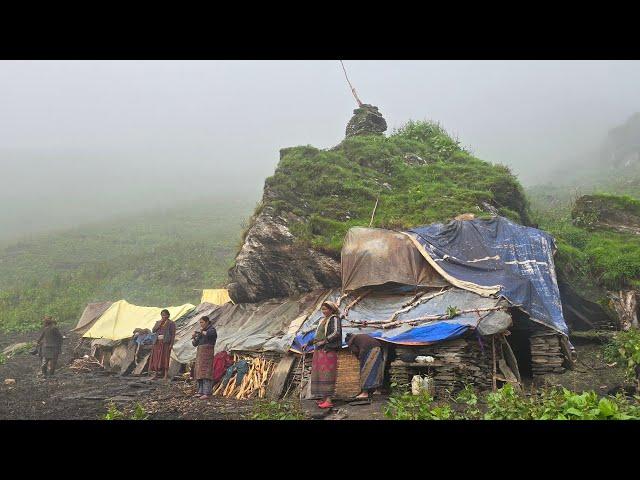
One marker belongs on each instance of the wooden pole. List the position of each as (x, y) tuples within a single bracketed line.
[(374, 210), (425, 319), (353, 90), (493, 354)]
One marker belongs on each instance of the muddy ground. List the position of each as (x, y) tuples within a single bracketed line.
[(87, 396)]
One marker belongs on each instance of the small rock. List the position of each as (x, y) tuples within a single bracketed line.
[(387, 186), (9, 381), (413, 159), (12, 349)]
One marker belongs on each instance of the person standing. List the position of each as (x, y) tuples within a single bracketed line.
[(205, 341), (324, 365), (50, 346), (159, 361), (372, 361)]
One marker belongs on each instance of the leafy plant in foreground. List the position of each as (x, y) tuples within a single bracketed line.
[(625, 347), (508, 404), (271, 410)]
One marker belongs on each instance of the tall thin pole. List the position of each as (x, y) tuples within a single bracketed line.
[(374, 210), (353, 90)]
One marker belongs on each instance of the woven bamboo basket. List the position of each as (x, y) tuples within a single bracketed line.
[(347, 375)]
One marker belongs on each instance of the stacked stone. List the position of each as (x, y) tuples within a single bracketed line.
[(366, 120), (546, 354), (456, 362)]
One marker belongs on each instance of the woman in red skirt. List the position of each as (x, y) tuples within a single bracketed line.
[(159, 361), (324, 366)]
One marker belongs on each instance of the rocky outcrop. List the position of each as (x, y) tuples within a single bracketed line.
[(271, 263), (609, 212), (366, 120), (293, 243)]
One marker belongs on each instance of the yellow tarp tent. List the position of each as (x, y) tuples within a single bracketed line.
[(217, 296), (121, 318)]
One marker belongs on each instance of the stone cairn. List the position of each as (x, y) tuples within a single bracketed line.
[(366, 120)]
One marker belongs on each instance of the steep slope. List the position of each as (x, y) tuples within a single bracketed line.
[(417, 175), (162, 257)]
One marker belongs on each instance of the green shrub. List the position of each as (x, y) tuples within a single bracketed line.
[(508, 404), (624, 347), (271, 410), (138, 413), (113, 413)]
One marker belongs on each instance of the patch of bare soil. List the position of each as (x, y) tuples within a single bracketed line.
[(591, 371), (87, 396)]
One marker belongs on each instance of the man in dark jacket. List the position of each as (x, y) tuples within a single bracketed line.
[(50, 345)]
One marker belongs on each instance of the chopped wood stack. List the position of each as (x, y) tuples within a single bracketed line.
[(271, 356), (85, 364), (456, 362), (254, 383), (546, 354)]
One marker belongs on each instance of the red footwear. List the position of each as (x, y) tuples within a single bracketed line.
[(325, 405)]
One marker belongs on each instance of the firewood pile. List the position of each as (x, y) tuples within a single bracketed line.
[(456, 362), (270, 356), (546, 354), (86, 364), (253, 384)]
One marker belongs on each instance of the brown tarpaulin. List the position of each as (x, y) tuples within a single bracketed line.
[(92, 312), (374, 256)]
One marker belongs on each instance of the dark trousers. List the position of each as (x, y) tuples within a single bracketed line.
[(48, 365), (205, 386)]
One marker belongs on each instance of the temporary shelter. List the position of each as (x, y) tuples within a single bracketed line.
[(216, 296), (472, 292), (121, 318), (480, 296), (90, 315)]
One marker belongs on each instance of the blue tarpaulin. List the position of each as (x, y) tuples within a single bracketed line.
[(497, 256), (422, 335), (382, 305)]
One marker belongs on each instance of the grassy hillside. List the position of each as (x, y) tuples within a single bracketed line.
[(160, 258), (333, 190), (592, 260)]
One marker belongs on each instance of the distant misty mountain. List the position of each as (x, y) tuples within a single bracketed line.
[(621, 148), (613, 166), (45, 190)]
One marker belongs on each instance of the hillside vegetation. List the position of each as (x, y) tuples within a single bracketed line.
[(419, 174), (161, 258), (592, 260)]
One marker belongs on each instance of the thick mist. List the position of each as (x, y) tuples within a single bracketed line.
[(86, 140)]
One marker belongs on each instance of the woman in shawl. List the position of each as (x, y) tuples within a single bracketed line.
[(372, 360), (327, 341), (166, 331), (205, 341)]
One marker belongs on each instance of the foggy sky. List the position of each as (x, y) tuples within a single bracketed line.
[(84, 140)]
